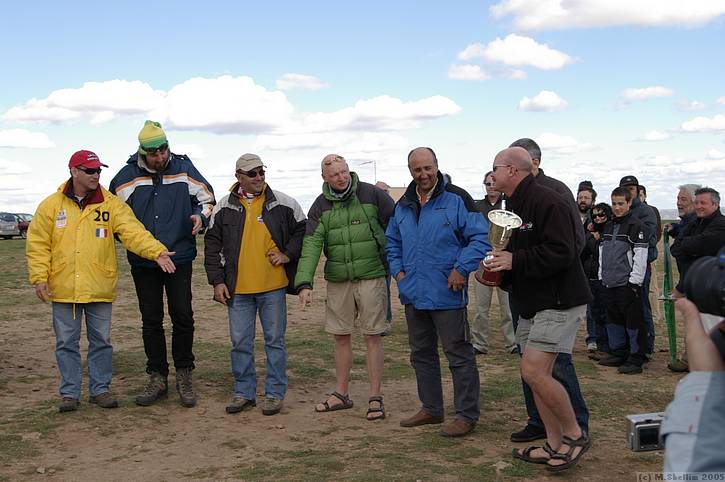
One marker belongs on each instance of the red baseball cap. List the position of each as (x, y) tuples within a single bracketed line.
[(85, 159)]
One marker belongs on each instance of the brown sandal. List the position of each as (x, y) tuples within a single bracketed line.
[(346, 403), (526, 454), (380, 409), (569, 459)]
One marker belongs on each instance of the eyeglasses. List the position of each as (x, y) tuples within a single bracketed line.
[(500, 165), (252, 174), (599, 215), (88, 170), (150, 151)]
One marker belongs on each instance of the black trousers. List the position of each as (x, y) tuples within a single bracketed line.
[(150, 284), (625, 324)]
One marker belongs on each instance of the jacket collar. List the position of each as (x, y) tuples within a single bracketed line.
[(95, 197), (326, 189), (520, 193)]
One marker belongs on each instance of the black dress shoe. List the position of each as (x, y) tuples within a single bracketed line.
[(528, 434)]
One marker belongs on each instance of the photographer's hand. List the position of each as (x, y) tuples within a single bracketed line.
[(702, 354)]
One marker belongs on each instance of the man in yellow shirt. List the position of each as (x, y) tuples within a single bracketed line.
[(72, 262), (251, 250)]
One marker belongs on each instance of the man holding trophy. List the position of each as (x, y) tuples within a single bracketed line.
[(541, 263)]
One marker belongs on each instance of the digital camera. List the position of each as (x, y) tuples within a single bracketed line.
[(643, 431)]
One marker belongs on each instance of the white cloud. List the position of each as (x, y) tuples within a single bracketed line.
[(691, 105), (467, 72), (514, 74), (300, 81), (518, 51), (8, 168), (655, 136), (194, 151), (545, 101), (721, 101), (564, 14), (382, 113), (351, 143), (21, 138), (560, 144), (96, 101), (632, 94), (225, 105), (715, 154), (705, 124)]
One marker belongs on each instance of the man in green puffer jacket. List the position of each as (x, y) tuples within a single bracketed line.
[(348, 221)]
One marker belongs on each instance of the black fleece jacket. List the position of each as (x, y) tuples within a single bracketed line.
[(546, 271)]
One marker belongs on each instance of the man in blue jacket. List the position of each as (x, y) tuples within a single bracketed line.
[(173, 201), (435, 239)]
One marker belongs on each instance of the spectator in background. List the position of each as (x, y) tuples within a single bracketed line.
[(585, 198), (481, 322), (643, 197), (622, 265), (597, 309), (646, 214), (383, 186)]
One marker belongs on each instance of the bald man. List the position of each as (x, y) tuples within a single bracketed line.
[(348, 221), (541, 264)]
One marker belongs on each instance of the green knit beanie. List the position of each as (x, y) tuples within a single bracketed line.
[(151, 136)]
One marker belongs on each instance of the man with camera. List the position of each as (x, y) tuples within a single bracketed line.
[(692, 428)]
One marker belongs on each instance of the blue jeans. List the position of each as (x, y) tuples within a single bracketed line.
[(67, 326), (272, 308), (565, 374)]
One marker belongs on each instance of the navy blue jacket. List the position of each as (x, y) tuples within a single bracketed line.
[(164, 201), (428, 243)]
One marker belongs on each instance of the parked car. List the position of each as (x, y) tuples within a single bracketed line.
[(23, 223), (9, 225)]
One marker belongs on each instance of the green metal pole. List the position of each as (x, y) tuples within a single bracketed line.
[(667, 299)]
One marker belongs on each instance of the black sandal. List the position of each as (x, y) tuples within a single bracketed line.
[(380, 409), (526, 454), (569, 460), (346, 403)]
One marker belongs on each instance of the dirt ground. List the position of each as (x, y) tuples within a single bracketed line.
[(169, 442)]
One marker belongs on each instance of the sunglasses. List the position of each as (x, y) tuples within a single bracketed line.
[(599, 215), (500, 165), (88, 170), (252, 174), (150, 151)]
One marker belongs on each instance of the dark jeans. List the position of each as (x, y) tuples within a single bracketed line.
[(597, 317), (150, 284), (451, 326), (565, 374), (627, 334), (647, 312)]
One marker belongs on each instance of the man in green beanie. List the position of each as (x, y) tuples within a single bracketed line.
[(173, 201)]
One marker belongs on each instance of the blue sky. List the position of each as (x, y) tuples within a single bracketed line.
[(607, 88)]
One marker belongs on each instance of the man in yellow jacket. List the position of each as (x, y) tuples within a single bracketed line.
[(72, 263)]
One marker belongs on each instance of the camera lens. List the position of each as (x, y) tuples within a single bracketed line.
[(705, 284)]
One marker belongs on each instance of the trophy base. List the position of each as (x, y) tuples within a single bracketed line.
[(489, 278)]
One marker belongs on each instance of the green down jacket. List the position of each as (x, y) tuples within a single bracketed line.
[(351, 230)]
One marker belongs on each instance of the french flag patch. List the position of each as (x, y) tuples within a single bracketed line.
[(101, 232)]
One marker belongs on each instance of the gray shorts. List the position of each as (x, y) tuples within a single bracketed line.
[(551, 331)]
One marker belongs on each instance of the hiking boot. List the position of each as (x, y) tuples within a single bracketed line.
[(679, 366), (239, 404), (156, 388), (457, 428), (68, 404), (612, 361), (528, 434), (271, 406), (104, 400), (592, 346), (185, 388), (630, 369)]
